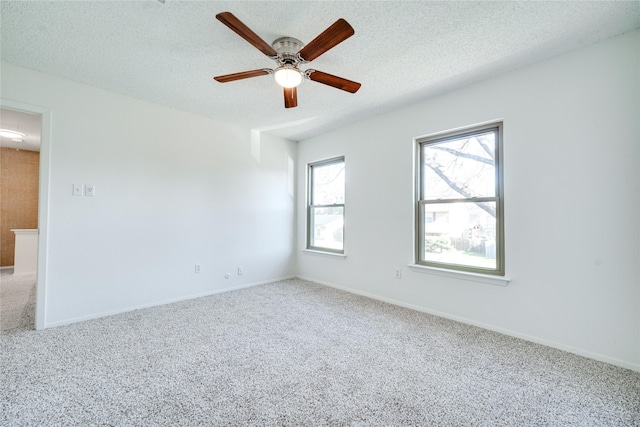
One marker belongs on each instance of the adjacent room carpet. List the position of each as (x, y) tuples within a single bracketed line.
[(17, 300), (295, 353)]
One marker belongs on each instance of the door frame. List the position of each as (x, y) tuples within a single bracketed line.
[(44, 190)]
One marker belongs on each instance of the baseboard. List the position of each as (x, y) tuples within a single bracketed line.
[(6, 267), (159, 303), (511, 333)]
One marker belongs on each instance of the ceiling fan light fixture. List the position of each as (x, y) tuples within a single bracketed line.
[(288, 76), (7, 133), (289, 53)]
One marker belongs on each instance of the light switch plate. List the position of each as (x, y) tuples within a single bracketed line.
[(89, 190), (77, 190)]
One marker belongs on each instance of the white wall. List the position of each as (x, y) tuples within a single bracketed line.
[(175, 189), (172, 189), (571, 149)]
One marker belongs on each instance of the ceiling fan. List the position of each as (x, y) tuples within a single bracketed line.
[(289, 54)]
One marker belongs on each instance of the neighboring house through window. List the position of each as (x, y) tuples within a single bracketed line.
[(325, 205), (460, 221)]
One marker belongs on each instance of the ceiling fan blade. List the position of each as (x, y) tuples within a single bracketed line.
[(243, 75), (335, 81), (290, 97), (335, 34), (228, 19)]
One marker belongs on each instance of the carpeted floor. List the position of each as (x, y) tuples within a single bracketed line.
[(17, 300), (296, 353)]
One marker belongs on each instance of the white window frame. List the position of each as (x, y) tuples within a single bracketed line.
[(498, 199), (311, 206)]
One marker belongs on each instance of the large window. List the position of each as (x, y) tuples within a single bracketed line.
[(460, 201), (325, 206)]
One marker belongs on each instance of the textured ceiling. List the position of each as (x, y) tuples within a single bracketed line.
[(401, 52)]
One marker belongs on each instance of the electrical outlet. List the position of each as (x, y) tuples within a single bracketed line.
[(239, 271), (227, 275), (198, 268), (77, 189), (398, 273)]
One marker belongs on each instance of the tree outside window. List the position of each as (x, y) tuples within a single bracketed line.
[(325, 207), (459, 209)]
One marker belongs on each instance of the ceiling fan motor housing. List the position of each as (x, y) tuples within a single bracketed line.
[(288, 48), (287, 73), (287, 45)]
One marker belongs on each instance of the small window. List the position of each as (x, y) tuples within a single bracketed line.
[(325, 206), (460, 222)]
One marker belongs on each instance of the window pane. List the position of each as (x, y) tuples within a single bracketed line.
[(460, 168), (328, 184), (327, 227), (460, 233)]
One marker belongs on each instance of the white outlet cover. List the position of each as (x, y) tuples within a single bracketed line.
[(89, 190), (77, 190)]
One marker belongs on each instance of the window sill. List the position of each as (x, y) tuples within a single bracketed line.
[(463, 275), (322, 253)]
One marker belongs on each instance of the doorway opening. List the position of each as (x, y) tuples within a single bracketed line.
[(24, 171)]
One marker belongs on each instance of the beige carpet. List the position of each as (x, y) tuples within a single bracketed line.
[(17, 300), (294, 353)]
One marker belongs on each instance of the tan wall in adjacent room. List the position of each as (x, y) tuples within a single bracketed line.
[(19, 172)]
